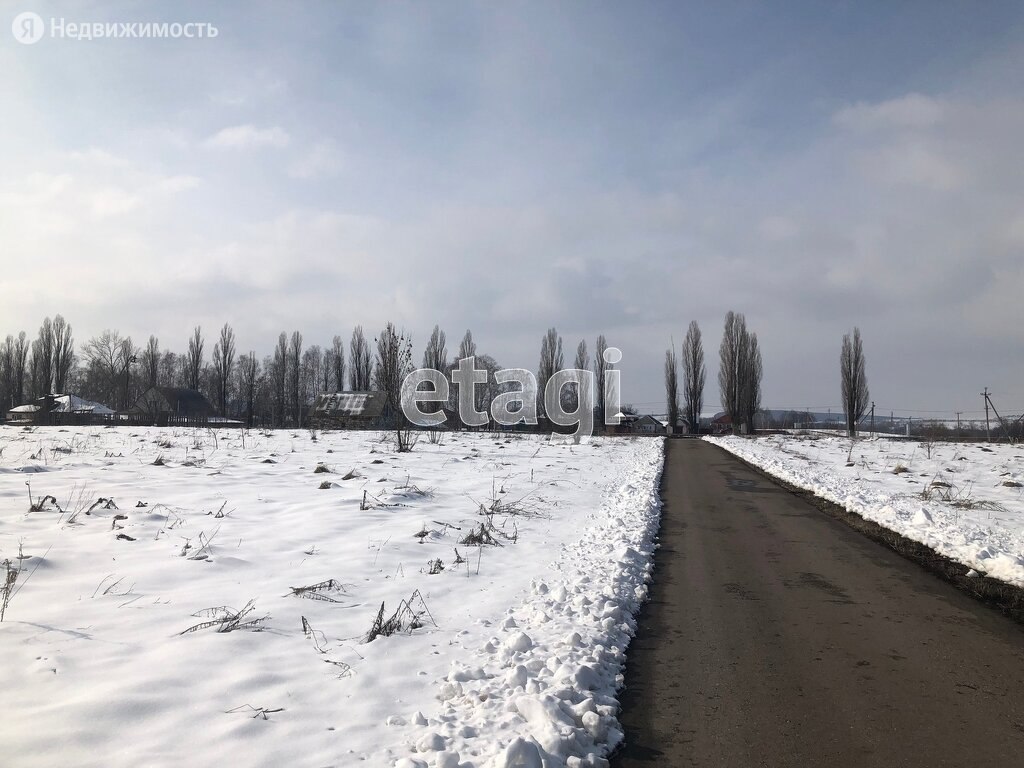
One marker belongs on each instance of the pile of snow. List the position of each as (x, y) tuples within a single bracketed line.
[(964, 501), (204, 597), (543, 684)]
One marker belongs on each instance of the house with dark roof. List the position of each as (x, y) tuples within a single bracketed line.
[(721, 423), (164, 406), (635, 424), (350, 410)]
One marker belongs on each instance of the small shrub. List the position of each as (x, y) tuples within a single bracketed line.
[(406, 439)]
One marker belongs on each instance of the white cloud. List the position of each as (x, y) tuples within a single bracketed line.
[(248, 136), (35, 189), (180, 183), (112, 201), (915, 163), (322, 159), (911, 111), (778, 228)]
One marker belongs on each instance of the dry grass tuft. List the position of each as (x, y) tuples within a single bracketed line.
[(321, 591), (409, 616), (480, 537), (43, 504), (225, 619)]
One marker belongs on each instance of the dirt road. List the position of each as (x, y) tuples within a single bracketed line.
[(777, 636)]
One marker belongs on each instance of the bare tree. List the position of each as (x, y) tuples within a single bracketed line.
[(170, 369), (249, 382), (360, 360), (467, 347), (551, 361), (583, 396), (295, 376), (728, 368), (435, 356), (582, 361), (672, 385), (151, 361), (43, 356), (104, 360), (338, 363), (127, 355), (223, 361), (279, 374), (394, 362), (694, 375), (600, 376), (194, 359), (18, 366), (63, 353), (326, 383), (853, 381), (34, 383), (750, 389), (739, 373), (7, 373), (573, 395), (312, 371)]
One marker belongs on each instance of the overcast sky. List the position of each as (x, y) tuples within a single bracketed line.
[(616, 168)]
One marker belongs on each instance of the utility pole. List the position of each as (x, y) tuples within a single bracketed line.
[(988, 432), (958, 423), (872, 418), (988, 399)]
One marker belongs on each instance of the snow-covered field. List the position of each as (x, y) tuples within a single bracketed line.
[(965, 501), (128, 642)]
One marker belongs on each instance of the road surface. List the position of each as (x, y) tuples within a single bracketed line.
[(778, 636)]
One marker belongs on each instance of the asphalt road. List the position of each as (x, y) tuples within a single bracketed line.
[(778, 636)]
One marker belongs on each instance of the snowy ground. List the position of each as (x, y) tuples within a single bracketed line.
[(516, 661), (965, 500)]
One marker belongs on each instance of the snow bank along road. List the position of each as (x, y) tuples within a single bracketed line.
[(207, 599), (777, 636), (964, 501)]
